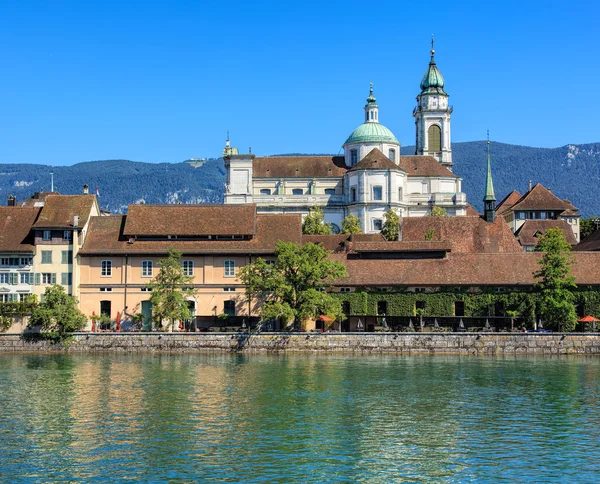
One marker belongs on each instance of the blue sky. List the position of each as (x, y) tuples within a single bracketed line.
[(163, 81)]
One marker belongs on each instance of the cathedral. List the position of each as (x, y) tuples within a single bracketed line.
[(370, 177)]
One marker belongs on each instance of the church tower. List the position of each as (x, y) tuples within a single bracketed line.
[(238, 175), (432, 116), (489, 201)]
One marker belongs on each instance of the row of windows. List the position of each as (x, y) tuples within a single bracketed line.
[(536, 215), (30, 278), (15, 261), (377, 193), (297, 191), (67, 235), (12, 297), (147, 268), (66, 257)]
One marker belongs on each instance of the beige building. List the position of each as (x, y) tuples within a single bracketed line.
[(122, 252)]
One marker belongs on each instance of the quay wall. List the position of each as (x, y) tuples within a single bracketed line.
[(401, 343)]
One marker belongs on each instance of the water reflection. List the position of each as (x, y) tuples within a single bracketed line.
[(282, 418)]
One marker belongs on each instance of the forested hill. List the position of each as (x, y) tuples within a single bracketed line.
[(572, 172)]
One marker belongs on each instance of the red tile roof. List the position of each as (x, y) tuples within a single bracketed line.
[(298, 166), (402, 246), (375, 160), (540, 198), (527, 232), (424, 166), (106, 236), (59, 211), (329, 242), (590, 243), (15, 228), (507, 202), (190, 220)]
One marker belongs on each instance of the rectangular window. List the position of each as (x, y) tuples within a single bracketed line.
[(5, 278), (105, 308), (9, 297), (26, 261), (106, 289), (229, 268), (297, 191), (377, 224), (330, 191), (48, 278), (66, 278), (265, 191), (26, 278), (521, 215), (146, 289), (188, 268), (392, 154), (106, 268), (229, 308), (229, 289), (419, 289), (4, 261), (147, 268), (23, 297), (353, 194), (353, 157), (67, 235), (344, 289), (400, 194), (420, 304), (377, 193), (46, 257), (67, 256), (543, 215), (47, 235)]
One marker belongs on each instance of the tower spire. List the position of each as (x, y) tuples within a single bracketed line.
[(371, 108), (489, 201)]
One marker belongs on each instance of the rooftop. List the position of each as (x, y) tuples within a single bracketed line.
[(15, 228)]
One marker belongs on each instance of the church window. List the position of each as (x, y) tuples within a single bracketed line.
[(435, 138), (377, 193), (353, 157), (297, 191), (265, 191), (353, 194), (392, 154), (377, 224)]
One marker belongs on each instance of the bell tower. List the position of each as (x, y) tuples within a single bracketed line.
[(432, 116)]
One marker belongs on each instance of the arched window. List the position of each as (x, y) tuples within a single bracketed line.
[(434, 134)]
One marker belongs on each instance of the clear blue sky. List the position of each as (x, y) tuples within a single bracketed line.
[(163, 80)]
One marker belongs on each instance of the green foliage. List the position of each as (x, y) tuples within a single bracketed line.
[(170, 291), (391, 223), (438, 212), (429, 233), (555, 282), (351, 225), (314, 223), (57, 313), (587, 226), (292, 289)]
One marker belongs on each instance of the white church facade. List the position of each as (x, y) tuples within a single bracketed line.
[(369, 178)]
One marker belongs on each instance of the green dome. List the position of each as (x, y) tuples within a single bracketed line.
[(433, 81), (371, 133)]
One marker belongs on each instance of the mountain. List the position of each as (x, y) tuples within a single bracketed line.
[(571, 172)]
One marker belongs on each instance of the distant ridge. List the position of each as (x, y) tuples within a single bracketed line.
[(571, 172)]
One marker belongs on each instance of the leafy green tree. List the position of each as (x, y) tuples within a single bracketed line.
[(351, 225), (587, 226), (555, 282), (293, 289), (314, 223), (57, 313), (170, 291), (391, 223), (438, 212)]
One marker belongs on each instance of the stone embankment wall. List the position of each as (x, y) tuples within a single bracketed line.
[(457, 343)]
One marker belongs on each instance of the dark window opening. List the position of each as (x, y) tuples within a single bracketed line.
[(420, 304), (459, 308), (499, 309), (229, 308), (381, 307)]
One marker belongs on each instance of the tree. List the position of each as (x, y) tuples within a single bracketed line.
[(351, 225), (587, 226), (391, 223), (57, 313), (171, 290), (555, 282), (293, 289), (314, 223), (438, 212)]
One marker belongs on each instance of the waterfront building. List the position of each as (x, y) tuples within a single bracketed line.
[(370, 176)]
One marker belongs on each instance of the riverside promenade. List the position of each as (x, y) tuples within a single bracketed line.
[(401, 343)]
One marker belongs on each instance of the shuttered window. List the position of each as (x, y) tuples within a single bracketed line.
[(434, 134)]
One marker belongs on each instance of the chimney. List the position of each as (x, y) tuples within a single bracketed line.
[(529, 185), (12, 201), (76, 221), (86, 189)]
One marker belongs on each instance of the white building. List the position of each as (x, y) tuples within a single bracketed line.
[(370, 178)]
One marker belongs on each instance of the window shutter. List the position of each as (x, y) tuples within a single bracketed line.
[(37, 278), (14, 279), (54, 278)]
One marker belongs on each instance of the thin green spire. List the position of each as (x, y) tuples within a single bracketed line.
[(489, 186)]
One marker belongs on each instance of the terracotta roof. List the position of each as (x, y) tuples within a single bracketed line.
[(471, 212), (571, 213), (190, 220), (465, 234), (402, 246), (106, 236), (527, 232), (15, 228), (367, 238), (540, 198), (375, 160), (329, 242), (424, 166), (507, 202), (460, 269), (590, 243), (298, 166), (60, 210), (37, 200)]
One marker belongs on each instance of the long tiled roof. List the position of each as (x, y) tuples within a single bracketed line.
[(402, 246), (590, 243), (298, 166), (527, 232), (190, 220), (465, 234), (106, 236), (420, 166), (540, 198), (507, 202), (15, 228), (59, 211)]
